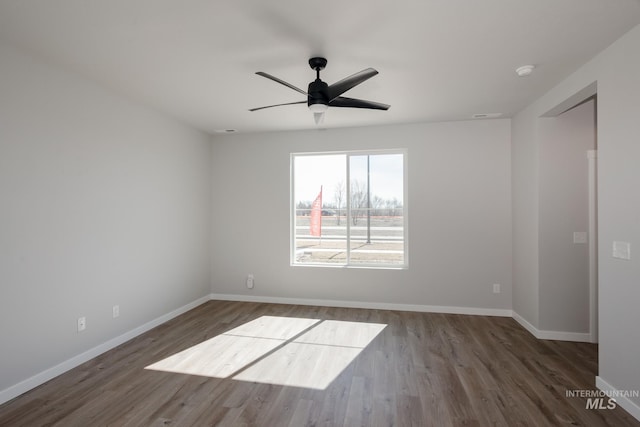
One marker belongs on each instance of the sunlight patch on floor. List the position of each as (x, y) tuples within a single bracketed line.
[(297, 352)]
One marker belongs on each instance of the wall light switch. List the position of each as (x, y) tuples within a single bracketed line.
[(579, 237), (622, 250)]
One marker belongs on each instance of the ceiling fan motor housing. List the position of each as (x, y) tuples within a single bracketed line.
[(318, 93)]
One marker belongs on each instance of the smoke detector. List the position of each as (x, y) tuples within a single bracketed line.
[(525, 70)]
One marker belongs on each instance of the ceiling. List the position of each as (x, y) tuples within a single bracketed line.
[(439, 60)]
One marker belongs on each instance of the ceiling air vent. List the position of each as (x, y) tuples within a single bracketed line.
[(486, 115)]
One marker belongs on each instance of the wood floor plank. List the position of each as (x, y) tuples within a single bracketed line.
[(349, 367)]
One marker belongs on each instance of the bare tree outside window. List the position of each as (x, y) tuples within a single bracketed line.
[(339, 196), (358, 201)]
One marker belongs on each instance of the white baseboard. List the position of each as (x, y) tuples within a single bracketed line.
[(626, 403), (369, 305), (552, 335), (44, 376), (525, 324)]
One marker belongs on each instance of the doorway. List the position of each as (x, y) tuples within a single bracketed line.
[(568, 221)]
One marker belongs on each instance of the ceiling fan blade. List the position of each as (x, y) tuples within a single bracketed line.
[(342, 101), (282, 82), (338, 88), (278, 105)]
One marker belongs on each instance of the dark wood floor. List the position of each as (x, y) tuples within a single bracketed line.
[(421, 370)]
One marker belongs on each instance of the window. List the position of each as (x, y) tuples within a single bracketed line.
[(349, 209)]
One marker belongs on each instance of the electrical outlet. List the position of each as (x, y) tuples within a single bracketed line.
[(82, 324), (496, 288), (250, 281), (116, 311)]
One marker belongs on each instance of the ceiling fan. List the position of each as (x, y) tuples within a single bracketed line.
[(320, 95)]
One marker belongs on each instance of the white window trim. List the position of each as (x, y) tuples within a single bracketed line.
[(405, 209)]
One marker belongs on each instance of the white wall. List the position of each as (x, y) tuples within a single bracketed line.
[(102, 202), (619, 212), (459, 216), (616, 72), (524, 165), (563, 210)]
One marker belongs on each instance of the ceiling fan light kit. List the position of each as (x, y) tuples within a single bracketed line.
[(321, 96), (318, 108)]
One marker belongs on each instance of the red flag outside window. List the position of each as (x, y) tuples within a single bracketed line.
[(315, 223)]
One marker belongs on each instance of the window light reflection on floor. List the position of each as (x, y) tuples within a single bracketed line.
[(288, 351)]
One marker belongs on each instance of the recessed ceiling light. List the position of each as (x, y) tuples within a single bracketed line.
[(525, 70)]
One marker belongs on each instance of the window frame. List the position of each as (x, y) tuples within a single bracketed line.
[(348, 264)]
